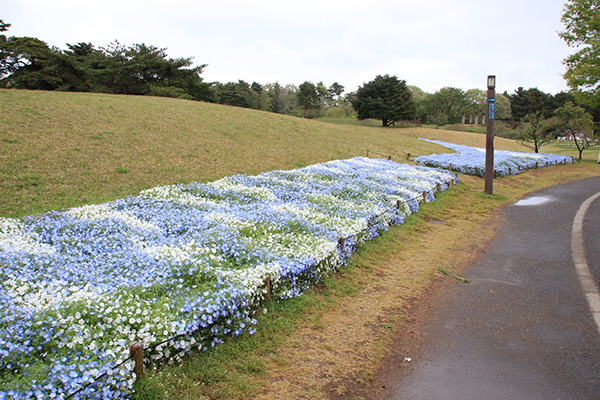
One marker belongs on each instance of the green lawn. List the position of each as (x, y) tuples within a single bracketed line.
[(61, 150)]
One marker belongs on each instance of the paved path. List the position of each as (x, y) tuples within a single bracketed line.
[(522, 329)]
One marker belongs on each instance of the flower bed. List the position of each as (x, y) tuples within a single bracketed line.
[(471, 160), (179, 267)]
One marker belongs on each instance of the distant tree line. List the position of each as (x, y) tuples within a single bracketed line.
[(140, 69), (29, 63), (307, 100)]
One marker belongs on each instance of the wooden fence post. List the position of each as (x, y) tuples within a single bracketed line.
[(136, 351), (341, 243), (367, 153), (425, 197), (268, 286)]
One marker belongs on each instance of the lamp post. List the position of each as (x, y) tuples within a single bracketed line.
[(489, 137)]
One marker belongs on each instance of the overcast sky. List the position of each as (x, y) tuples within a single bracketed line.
[(429, 43)]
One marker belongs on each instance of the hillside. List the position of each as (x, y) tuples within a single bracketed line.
[(59, 150)]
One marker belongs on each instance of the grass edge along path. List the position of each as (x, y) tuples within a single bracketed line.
[(330, 342)]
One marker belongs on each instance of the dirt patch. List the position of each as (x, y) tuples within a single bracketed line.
[(351, 349), (434, 221), (407, 340)]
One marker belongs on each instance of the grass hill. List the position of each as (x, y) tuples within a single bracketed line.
[(60, 150)]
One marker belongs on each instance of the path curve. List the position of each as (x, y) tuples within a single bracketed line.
[(586, 279), (522, 329)]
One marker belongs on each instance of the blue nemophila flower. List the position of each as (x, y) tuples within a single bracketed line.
[(471, 160), (186, 262)]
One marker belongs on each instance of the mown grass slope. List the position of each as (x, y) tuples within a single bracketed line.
[(60, 150)]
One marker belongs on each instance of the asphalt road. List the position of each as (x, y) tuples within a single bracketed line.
[(522, 329)]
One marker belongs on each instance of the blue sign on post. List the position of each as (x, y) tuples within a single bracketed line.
[(491, 106)]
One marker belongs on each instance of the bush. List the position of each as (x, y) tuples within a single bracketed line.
[(506, 130), (169, 91)]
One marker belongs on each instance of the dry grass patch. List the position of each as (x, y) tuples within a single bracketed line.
[(60, 150), (330, 343), (341, 354)]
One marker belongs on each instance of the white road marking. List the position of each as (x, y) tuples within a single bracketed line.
[(586, 279)]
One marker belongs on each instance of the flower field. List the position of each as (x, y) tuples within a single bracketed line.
[(180, 267), (471, 160)]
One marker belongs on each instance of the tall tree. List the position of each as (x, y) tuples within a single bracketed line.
[(335, 91), (3, 50), (449, 101), (237, 94), (535, 131), (417, 93), (325, 97), (476, 104), (28, 63), (530, 101), (576, 123), (345, 104), (308, 99), (582, 31), (386, 98), (503, 108), (282, 99), (260, 98)]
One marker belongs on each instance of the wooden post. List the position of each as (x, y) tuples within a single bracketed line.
[(367, 153), (509, 170), (341, 243), (399, 204), (268, 286), (425, 197), (389, 158), (452, 182), (437, 187), (136, 351)]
